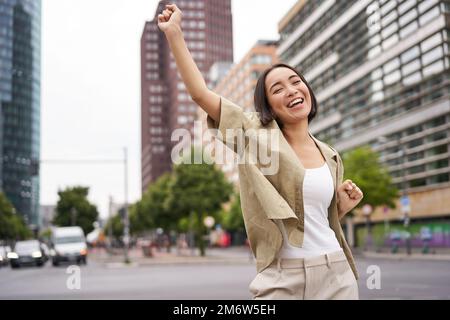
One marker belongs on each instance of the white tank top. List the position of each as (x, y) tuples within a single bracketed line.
[(319, 238)]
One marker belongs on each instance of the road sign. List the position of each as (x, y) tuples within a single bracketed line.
[(404, 201), (406, 208)]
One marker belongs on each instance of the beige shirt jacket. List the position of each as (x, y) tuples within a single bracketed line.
[(266, 197)]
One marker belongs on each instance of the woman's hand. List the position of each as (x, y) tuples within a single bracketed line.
[(349, 195), (169, 18)]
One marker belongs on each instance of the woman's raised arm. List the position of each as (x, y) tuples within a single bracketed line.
[(169, 21)]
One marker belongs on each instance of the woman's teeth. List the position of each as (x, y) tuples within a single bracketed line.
[(295, 102)]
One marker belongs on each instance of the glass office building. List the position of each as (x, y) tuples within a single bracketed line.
[(380, 70), (20, 74)]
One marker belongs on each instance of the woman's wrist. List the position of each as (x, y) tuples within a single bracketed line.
[(173, 30)]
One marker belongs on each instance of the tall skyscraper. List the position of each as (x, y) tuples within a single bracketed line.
[(380, 70), (20, 78), (165, 103)]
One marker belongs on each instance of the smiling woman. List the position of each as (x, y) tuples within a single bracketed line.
[(269, 102), (291, 215)]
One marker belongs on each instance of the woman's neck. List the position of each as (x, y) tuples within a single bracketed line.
[(297, 134)]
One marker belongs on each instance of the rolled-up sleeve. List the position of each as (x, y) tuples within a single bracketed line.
[(230, 128)]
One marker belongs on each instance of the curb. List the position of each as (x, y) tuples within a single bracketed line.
[(112, 265), (404, 256)]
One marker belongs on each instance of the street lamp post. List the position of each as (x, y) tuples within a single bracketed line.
[(367, 210), (405, 202), (126, 222)]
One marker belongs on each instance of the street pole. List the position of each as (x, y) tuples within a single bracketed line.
[(367, 211), (126, 223), (406, 221), (110, 224), (369, 233)]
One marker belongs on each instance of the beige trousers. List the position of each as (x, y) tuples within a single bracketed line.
[(324, 277)]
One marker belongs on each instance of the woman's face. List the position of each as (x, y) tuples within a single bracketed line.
[(288, 95)]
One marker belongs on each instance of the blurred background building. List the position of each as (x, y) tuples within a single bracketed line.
[(165, 103), (20, 79), (380, 71)]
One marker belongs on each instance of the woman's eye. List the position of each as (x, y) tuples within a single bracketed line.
[(277, 91), (297, 82)]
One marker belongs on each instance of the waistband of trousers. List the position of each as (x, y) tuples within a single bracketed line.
[(309, 262)]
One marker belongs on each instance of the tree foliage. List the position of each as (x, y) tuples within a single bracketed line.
[(12, 225), (74, 209), (362, 166), (197, 191), (232, 219)]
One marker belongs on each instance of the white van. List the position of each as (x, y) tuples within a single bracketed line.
[(68, 245)]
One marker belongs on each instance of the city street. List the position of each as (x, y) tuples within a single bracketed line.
[(404, 279)]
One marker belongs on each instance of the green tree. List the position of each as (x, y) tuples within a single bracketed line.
[(362, 166), (12, 225), (74, 209), (197, 191), (117, 226), (151, 211), (233, 219)]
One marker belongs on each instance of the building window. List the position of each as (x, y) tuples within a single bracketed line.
[(155, 120), (182, 119), (424, 19), (183, 97), (410, 54), (391, 65), (406, 5), (151, 76), (390, 41), (431, 42), (413, 78), (261, 59), (433, 68), (432, 55), (410, 28), (405, 19), (391, 78)]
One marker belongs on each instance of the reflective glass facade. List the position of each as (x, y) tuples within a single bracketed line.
[(20, 74)]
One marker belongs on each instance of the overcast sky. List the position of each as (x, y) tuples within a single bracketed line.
[(91, 87)]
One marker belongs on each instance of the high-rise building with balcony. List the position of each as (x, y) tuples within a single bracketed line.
[(380, 72)]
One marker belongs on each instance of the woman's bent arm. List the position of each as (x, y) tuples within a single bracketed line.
[(170, 23)]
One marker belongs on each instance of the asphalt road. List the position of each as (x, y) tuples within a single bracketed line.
[(406, 279)]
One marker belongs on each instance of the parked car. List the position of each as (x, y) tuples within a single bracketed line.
[(30, 252), (68, 245), (4, 250)]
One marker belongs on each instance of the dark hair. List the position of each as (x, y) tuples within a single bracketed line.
[(262, 105)]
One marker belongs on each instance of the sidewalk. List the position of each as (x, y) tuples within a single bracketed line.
[(434, 254), (187, 256), (233, 255)]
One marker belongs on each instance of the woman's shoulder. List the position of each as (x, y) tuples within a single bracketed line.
[(250, 117), (328, 147)]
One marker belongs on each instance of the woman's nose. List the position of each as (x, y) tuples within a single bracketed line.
[(291, 91)]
